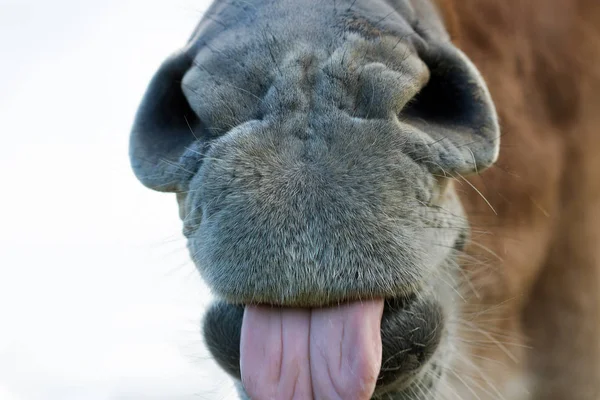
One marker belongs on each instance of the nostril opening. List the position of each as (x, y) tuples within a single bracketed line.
[(450, 96), (443, 100)]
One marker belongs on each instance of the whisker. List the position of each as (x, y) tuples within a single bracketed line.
[(478, 192)]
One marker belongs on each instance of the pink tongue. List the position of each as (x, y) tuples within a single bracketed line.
[(329, 353)]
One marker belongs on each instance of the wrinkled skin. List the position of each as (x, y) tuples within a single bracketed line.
[(314, 149)]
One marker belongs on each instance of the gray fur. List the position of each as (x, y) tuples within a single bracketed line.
[(311, 144)]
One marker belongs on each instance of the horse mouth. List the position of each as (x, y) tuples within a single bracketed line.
[(356, 346)]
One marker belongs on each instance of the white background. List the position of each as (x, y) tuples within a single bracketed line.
[(98, 298)]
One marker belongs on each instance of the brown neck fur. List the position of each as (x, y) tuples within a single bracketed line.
[(534, 261)]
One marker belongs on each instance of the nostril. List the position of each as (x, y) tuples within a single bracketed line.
[(446, 98)]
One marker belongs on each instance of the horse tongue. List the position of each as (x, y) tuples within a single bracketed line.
[(328, 353)]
